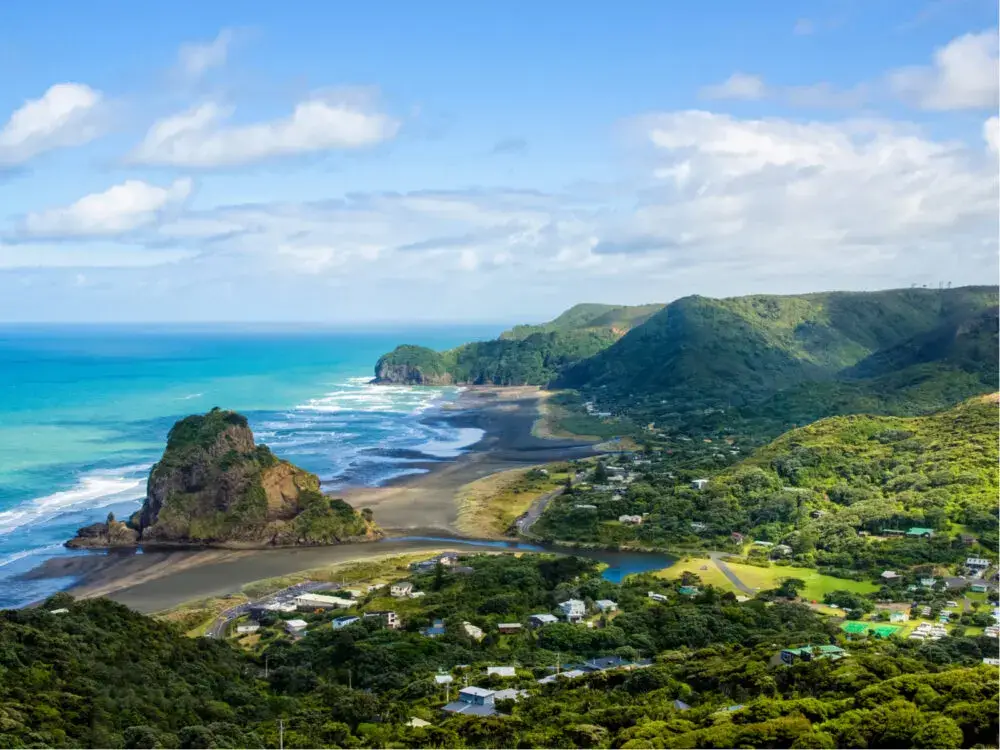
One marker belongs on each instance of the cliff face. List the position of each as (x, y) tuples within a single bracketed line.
[(215, 486)]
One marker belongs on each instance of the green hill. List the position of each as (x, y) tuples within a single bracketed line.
[(523, 355), (744, 352)]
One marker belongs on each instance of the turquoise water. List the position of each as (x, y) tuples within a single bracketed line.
[(84, 412)]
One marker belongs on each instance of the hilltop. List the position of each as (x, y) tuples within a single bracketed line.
[(523, 355), (214, 485)]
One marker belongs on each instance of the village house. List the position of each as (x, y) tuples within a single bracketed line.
[(736, 537), (343, 622), (434, 630), (475, 701), (606, 605), (920, 532), (322, 601), (573, 610), (808, 653), (443, 679), (537, 621), (977, 564), (296, 627), (698, 526), (688, 590), (247, 627), (501, 672), (889, 575), (634, 520), (781, 550), (389, 618), (657, 597), (472, 631), (699, 484), (508, 628), (401, 589)]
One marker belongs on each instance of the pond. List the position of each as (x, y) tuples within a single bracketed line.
[(620, 563)]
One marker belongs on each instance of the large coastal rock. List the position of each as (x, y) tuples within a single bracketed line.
[(215, 486), (412, 365)]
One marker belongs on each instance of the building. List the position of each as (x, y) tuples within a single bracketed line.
[(585, 506), (509, 694), (808, 653), (472, 631), (401, 589), (417, 723), (434, 630), (920, 532), (781, 550), (447, 559), (928, 582), (736, 537), (247, 628), (475, 701), (285, 607), (501, 671), (634, 520), (688, 590), (698, 526), (681, 705), (977, 563), (657, 597), (978, 588), (898, 617), (569, 674), (991, 662), (60, 611), (389, 618), (537, 621), (699, 484), (817, 514), (573, 610), (509, 627), (606, 605), (761, 543), (889, 575), (322, 601), (343, 622), (604, 663), (968, 540), (443, 679), (296, 627)]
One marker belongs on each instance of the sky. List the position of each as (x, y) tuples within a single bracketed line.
[(463, 162)]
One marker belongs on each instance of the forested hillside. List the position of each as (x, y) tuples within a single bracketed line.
[(523, 355), (702, 671), (834, 352), (829, 491)]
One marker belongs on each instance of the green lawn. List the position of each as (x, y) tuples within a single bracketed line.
[(817, 584)]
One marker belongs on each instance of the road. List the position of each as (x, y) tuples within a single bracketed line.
[(728, 573), (220, 625), (525, 522)]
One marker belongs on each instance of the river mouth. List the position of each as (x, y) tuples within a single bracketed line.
[(619, 563)]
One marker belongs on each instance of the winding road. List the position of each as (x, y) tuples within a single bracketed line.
[(221, 623)]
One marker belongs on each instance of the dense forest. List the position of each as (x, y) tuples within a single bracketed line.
[(706, 674)]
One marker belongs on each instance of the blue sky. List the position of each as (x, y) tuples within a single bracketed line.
[(400, 161)]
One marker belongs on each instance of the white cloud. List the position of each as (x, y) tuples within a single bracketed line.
[(804, 27), (200, 137), (65, 115), (108, 256), (773, 196), (737, 86), (119, 209), (197, 58), (991, 132), (963, 75)]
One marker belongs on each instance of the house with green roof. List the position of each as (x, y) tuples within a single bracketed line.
[(920, 531), (808, 653)]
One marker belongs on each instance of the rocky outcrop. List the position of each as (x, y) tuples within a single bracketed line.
[(412, 365), (103, 535), (215, 486)]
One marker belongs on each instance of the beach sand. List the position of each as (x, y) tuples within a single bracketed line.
[(415, 505)]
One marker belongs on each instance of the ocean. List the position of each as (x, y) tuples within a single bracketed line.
[(85, 410)]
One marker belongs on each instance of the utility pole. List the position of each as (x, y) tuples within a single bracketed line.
[(350, 680), (281, 734), (265, 666)]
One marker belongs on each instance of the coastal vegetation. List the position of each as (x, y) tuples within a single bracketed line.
[(214, 485), (489, 506), (687, 670)]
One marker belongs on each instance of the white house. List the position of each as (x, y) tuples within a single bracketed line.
[(443, 679), (501, 671), (698, 526), (976, 563), (389, 619), (322, 601), (401, 589), (657, 597), (699, 484), (606, 605), (472, 631), (60, 611), (889, 575), (782, 550), (343, 622), (296, 627), (573, 610), (249, 627), (634, 520)]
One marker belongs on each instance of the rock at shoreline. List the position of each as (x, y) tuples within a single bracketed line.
[(412, 365), (215, 486)]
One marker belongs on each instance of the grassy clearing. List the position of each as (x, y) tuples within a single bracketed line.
[(488, 506), (817, 584), (194, 617)]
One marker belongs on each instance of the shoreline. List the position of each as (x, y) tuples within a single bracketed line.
[(411, 505)]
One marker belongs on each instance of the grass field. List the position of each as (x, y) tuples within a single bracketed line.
[(488, 506), (817, 584)]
